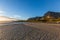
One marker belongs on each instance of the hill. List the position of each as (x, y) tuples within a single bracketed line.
[(48, 17), (52, 15)]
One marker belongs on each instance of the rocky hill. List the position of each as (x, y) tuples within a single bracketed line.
[(51, 14), (48, 16)]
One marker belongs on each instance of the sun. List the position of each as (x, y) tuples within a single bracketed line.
[(3, 18)]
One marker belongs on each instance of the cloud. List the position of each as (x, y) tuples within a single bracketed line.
[(1, 12), (16, 16)]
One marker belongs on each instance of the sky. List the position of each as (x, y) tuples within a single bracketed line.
[(24, 9)]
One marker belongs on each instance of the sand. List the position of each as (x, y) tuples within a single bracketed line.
[(30, 31)]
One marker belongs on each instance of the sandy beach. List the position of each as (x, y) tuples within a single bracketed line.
[(30, 31)]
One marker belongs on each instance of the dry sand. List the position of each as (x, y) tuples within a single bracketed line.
[(30, 31)]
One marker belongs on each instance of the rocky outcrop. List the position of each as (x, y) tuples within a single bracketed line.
[(51, 14)]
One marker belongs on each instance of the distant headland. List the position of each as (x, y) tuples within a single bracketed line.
[(50, 16)]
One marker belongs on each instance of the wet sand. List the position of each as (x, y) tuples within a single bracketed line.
[(30, 31)]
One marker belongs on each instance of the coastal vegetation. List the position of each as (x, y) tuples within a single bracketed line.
[(51, 17)]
